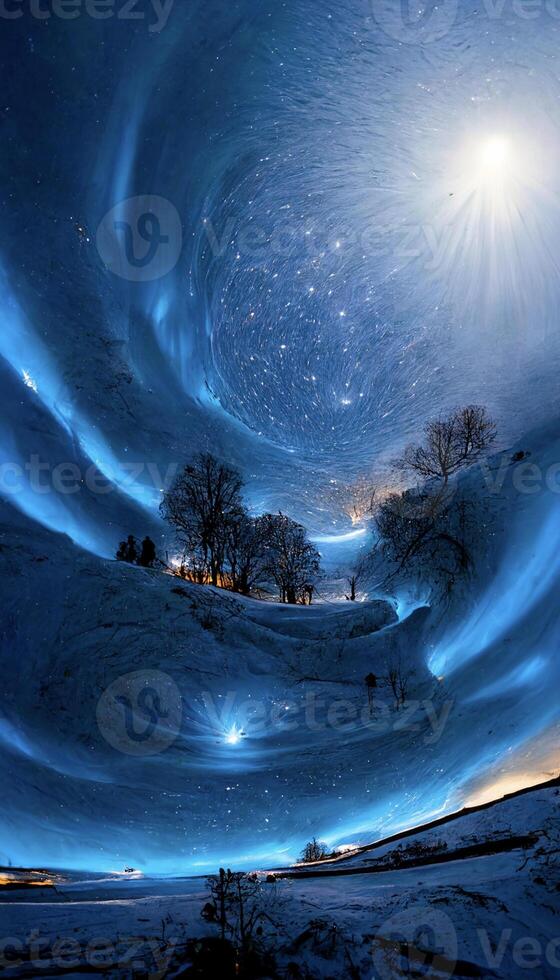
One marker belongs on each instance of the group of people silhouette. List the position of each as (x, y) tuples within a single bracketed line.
[(131, 552)]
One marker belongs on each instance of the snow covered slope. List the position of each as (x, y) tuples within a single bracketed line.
[(150, 723), (84, 790)]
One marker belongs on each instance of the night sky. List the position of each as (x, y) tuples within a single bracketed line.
[(289, 232), (340, 261)]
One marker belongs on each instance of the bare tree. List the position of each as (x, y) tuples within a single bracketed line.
[(201, 505), (404, 523), (224, 546), (353, 587), (426, 530), (245, 552), (430, 528), (363, 501), (399, 682), (315, 850), (450, 443), (292, 562), (235, 894), (239, 906), (220, 886), (193, 567)]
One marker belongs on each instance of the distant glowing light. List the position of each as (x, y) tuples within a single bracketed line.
[(508, 783), (346, 848), (339, 538)]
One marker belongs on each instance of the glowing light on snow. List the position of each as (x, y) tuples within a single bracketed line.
[(29, 382), (234, 736)]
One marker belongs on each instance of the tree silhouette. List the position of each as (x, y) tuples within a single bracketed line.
[(291, 561), (450, 443), (315, 850), (201, 505), (245, 552)]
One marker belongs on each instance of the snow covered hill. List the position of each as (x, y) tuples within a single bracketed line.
[(228, 672), (150, 723)]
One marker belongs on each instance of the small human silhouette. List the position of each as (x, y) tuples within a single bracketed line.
[(371, 682), (131, 550), (148, 554)]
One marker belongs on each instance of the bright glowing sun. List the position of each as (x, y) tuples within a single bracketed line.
[(493, 155)]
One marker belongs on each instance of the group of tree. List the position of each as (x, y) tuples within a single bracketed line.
[(223, 545), (133, 553), (427, 527)]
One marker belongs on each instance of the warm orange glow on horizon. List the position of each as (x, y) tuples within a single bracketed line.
[(508, 783)]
